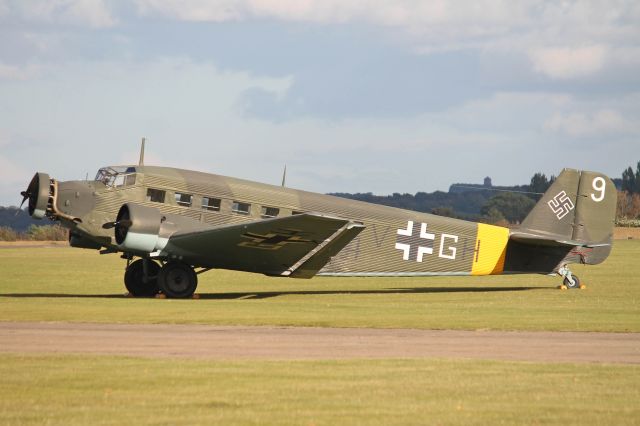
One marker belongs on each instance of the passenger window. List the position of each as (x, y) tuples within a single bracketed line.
[(130, 180), (270, 211), (212, 204), (183, 200), (242, 208), (155, 195)]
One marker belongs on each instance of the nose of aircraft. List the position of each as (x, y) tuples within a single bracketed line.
[(40, 195), (57, 200)]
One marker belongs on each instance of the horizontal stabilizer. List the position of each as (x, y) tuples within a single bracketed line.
[(547, 240)]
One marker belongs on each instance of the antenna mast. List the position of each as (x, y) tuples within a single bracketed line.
[(141, 161), (284, 175)]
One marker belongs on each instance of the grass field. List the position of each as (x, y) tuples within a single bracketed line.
[(67, 284), (116, 390)]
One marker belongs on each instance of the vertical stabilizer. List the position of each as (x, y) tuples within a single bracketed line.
[(554, 214), (572, 223), (580, 206)]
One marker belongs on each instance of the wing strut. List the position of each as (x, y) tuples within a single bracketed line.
[(313, 261)]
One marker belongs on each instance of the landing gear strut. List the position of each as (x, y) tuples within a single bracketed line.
[(569, 280), (177, 280), (141, 278)]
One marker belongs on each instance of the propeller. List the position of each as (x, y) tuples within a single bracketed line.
[(25, 196), (125, 223)]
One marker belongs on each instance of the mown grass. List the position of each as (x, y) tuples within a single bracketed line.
[(118, 390), (66, 284)]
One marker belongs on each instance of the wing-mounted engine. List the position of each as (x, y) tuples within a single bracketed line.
[(141, 229)]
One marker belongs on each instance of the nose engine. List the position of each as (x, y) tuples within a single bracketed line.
[(40, 193)]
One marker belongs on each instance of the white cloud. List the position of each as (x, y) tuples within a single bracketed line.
[(14, 72), (405, 13), (86, 13), (531, 27), (93, 12), (566, 62), (604, 121)]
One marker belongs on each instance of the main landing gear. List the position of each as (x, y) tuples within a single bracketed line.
[(146, 278), (569, 280), (177, 280), (141, 278)]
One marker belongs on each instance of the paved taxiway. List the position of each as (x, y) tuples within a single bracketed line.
[(240, 342)]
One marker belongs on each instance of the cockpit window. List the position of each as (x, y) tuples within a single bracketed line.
[(117, 176)]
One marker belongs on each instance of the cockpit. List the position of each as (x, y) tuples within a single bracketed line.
[(116, 177)]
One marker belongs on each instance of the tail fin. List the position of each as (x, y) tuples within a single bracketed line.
[(577, 210)]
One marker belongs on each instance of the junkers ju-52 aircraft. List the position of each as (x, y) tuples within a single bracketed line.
[(179, 223)]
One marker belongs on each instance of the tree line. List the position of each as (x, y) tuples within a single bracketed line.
[(502, 205), (628, 206)]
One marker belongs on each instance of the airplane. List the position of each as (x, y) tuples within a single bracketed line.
[(171, 225)]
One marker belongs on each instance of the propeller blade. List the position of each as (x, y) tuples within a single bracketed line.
[(125, 223), (25, 197)]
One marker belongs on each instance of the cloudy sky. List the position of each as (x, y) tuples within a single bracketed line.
[(353, 95)]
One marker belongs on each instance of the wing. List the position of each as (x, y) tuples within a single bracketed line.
[(296, 246)]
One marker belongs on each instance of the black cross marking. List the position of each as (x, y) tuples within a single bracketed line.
[(414, 241), (272, 241)]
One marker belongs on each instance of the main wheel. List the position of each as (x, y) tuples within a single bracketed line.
[(134, 278), (177, 280), (576, 282)]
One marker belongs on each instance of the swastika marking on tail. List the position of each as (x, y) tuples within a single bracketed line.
[(561, 205)]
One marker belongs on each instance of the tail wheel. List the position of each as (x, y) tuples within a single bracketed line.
[(140, 283), (575, 284), (177, 280)]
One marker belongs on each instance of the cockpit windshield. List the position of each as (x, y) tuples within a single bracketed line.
[(116, 176)]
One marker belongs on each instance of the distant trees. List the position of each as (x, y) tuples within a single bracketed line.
[(17, 219), (628, 203), (631, 180), (443, 211), (35, 233), (540, 183), (471, 202), (513, 207)]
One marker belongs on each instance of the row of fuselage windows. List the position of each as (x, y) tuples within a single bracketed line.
[(209, 203)]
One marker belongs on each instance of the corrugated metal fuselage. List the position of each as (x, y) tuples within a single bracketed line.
[(394, 242)]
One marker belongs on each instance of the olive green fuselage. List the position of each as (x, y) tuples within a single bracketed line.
[(394, 241)]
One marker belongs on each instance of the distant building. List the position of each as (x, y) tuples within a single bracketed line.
[(464, 187)]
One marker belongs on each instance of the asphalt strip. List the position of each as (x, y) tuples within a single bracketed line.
[(308, 343)]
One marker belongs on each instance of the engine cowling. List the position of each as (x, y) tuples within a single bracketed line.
[(40, 195), (139, 228)]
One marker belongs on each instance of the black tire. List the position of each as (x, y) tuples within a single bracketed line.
[(134, 278), (576, 282), (177, 280)]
